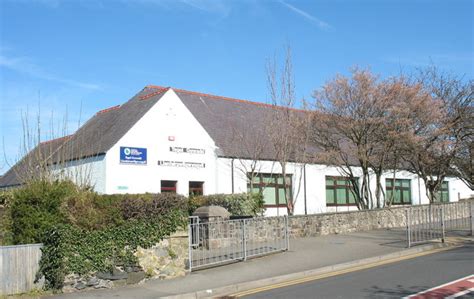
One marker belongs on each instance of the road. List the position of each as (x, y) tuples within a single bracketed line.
[(394, 280)]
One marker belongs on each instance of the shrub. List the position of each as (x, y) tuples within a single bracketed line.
[(91, 211), (6, 197), (243, 204), (69, 249), (36, 207), (145, 206)]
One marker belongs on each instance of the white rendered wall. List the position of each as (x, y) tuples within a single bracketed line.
[(168, 119), (88, 171), (316, 184)]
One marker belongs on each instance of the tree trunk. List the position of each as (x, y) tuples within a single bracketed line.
[(378, 189)]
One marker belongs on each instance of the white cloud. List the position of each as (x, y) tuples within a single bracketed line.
[(318, 22), (25, 66)]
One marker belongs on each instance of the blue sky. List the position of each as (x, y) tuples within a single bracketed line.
[(78, 57)]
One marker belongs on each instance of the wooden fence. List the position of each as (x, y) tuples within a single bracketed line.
[(18, 267)]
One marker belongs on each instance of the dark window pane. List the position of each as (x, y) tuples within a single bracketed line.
[(341, 196), (329, 181), (269, 196), (281, 196), (268, 180), (196, 188), (406, 196), (341, 182), (352, 197), (168, 186), (330, 196)]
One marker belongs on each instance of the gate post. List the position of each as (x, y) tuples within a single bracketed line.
[(190, 244), (471, 204), (407, 214), (442, 225), (287, 237), (244, 240)]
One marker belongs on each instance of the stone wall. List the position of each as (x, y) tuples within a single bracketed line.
[(347, 222), (167, 259), (222, 234)]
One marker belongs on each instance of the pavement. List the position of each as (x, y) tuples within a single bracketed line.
[(306, 256)]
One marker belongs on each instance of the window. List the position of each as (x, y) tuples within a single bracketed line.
[(339, 192), (168, 186), (272, 187), (196, 188), (443, 193), (402, 194)]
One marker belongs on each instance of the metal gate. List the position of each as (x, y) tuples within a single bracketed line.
[(217, 242), (436, 221)]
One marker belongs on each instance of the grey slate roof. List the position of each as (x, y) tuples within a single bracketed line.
[(94, 138), (238, 128), (29, 165)]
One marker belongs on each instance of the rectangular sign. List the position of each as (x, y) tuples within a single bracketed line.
[(181, 164), (132, 155), (187, 150)]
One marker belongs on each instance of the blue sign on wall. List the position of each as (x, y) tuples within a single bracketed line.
[(132, 155)]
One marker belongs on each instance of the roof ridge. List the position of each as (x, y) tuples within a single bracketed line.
[(108, 109), (161, 89), (221, 97)]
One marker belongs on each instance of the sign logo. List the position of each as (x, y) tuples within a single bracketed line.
[(132, 155)]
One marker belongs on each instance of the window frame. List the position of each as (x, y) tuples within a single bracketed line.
[(261, 185), (334, 187), (401, 188), (173, 189)]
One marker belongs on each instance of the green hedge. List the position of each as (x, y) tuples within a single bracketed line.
[(83, 231), (68, 249), (242, 204), (36, 208)]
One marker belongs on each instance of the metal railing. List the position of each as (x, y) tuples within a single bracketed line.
[(222, 241), (434, 222), (457, 215), (424, 224)]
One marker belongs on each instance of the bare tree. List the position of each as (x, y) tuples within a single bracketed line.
[(350, 126), (46, 154), (253, 144), (441, 131), (286, 126)]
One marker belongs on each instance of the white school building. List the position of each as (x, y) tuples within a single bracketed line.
[(173, 140)]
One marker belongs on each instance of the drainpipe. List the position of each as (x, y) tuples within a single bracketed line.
[(304, 185), (232, 173)]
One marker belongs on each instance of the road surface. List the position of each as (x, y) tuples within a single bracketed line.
[(394, 280)]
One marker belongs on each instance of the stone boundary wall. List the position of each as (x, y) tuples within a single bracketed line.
[(166, 260), (346, 222), (225, 233)]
